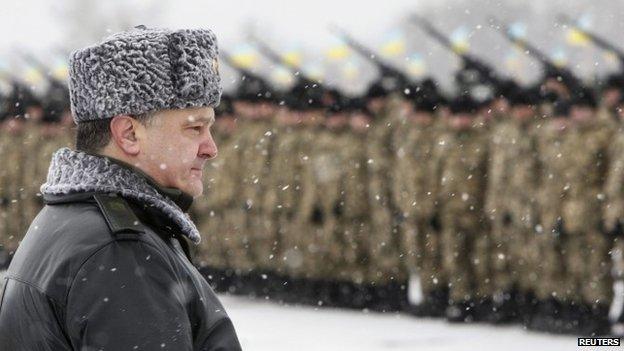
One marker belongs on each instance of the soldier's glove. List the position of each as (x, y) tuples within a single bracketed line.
[(559, 229), (617, 230), (317, 215), (507, 219), (338, 209), (247, 205), (434, 222)]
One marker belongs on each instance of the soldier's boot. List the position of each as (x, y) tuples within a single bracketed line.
[(296, 290), (460, 312), (438, 301), (548, 316), (382, 298), (504, 308), (346, 293), (323, 293), (527, 304), (360, 296), (595, 320), (483, 309), (423, 309), (571, 318), (279, 287)]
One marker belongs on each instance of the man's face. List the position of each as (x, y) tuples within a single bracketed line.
[(176, 146), (422, 118), (523, 113), (610, 97), (359, 122), (376, 105), (620, 111), (500, 105), (461, 121), (582, 114)]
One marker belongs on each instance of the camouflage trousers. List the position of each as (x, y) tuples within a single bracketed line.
[(12, 224), (384, 249), (422, 251), (466, 249), (262, 236), (587, 255), (356, 240), (236, 240), (514, 255), (212, 251)]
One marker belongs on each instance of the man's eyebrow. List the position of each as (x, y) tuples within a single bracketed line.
[(203, 119)]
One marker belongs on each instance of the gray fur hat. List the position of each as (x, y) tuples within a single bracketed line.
[(143, 70)]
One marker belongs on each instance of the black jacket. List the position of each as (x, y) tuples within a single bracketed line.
[(98, 272)]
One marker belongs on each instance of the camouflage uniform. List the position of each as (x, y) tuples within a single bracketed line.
[(385, 240), (461, 188), (257, 240), (32, 170), (220, 190), (415, 192), (285, 189), (511, 204), (554, 159), (355, 197), (587, 249), (321, 196), (12, 188)]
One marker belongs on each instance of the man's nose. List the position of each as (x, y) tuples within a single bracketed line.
[(208, 148)]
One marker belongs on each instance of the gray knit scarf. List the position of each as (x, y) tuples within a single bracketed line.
[(75, 171)]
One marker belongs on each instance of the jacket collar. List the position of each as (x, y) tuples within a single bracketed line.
[(74, 176), (182, 199)]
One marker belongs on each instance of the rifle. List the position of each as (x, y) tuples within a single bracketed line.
[(55, 83), (241, 70), (272, 55), (485, 71), (563, 74), (595, 39), (385, 69)]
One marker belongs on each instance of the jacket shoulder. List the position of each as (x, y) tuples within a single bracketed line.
[(64, 235)]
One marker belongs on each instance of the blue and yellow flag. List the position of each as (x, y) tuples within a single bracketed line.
[(393, 44), (518, 30), (459, 39), (338, 51), (416, 65), (245, 56), (559, 57)]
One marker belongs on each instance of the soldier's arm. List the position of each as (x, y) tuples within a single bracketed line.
[(614, 184)]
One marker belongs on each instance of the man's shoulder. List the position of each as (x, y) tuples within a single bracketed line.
[(64, 235)]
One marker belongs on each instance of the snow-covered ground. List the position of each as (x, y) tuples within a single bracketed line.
[(265, 325)]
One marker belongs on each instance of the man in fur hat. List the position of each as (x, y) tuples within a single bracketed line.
[(106, 263)]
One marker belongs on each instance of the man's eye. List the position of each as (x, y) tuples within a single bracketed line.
[(197, 128)]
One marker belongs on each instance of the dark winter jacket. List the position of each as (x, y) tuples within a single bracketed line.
[(97, 271)]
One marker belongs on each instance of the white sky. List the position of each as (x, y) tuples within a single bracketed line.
[(35, 24), (43, 25)]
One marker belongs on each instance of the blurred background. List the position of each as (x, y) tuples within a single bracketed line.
[(407, 175)]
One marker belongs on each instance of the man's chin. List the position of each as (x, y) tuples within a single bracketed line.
[(194, 190)]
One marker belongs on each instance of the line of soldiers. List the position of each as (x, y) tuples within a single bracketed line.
[(31, 129), (501, 207), (500, 210)]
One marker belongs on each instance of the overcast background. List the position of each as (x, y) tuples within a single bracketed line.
[(50, 29)]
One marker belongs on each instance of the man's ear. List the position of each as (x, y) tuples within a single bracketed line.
[(124, 134)]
